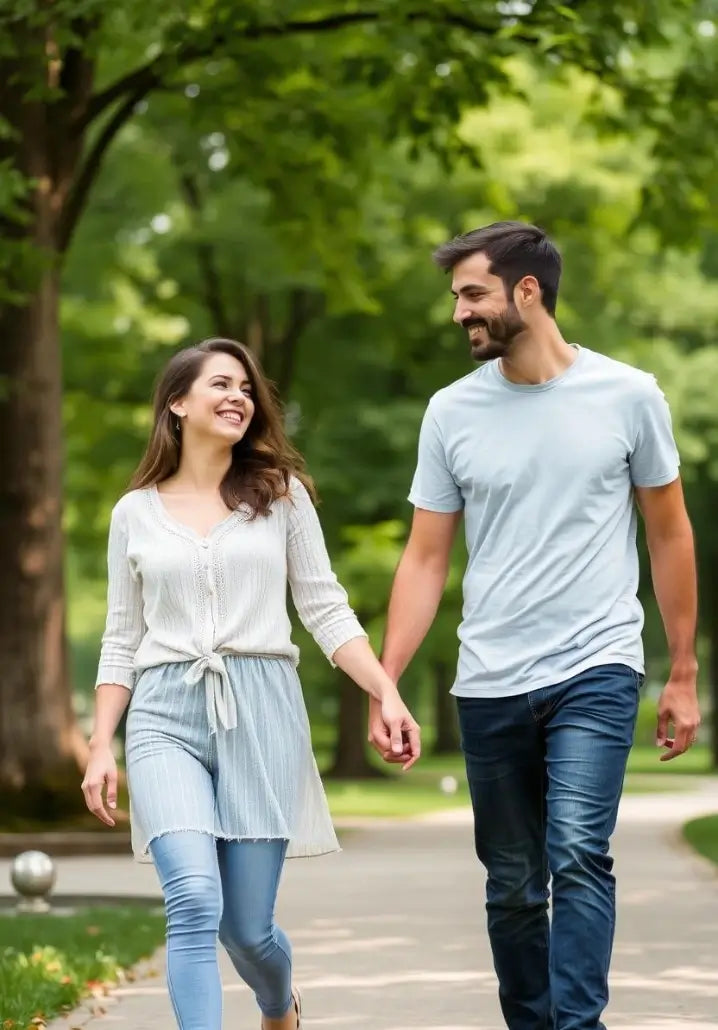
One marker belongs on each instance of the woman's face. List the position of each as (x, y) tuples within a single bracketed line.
[(220, 401)]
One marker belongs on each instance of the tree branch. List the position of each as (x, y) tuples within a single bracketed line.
[(134, 86), (302, 311), (143, 79), (137, 83), (211, 280), (79, 192)]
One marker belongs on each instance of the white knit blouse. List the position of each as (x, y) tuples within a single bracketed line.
[(175, 596)]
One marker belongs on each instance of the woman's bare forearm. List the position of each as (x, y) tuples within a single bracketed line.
[(111, 700)]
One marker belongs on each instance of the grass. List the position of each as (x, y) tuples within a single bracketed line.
[(49, 963), (418, 792), (402, 795), (644, 758), (702, 834)]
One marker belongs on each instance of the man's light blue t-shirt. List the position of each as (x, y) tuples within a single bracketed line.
[(545, 476)]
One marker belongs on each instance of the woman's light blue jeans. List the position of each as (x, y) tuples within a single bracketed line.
[(228, 889)]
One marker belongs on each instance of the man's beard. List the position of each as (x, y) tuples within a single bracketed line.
[(500, 333)]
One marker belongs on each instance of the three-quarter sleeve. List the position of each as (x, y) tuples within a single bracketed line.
[(125, 625), (321, 602)]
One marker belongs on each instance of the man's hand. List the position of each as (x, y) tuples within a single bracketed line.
[(678, 706), (393, 732)]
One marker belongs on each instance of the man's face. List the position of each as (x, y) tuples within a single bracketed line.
[(492, 321)]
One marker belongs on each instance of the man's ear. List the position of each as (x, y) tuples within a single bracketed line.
[(528, 291)]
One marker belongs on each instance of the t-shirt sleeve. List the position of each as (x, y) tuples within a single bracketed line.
[(654, 460), (433, 486)]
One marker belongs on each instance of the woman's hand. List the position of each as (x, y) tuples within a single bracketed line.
[(101, 770), (393, 730)]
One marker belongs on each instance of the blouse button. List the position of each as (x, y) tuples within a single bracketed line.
[(205, 543)]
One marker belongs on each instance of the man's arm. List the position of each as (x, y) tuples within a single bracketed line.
[(673, 570), (418, 585)]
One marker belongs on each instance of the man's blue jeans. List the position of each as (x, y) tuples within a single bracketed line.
[(545, 771)]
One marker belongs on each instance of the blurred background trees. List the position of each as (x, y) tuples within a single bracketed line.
[(281, 175)]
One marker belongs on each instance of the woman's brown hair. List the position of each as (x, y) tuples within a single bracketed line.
[(262, 461)]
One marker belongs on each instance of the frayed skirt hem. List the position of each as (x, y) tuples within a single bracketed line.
[(294, 850)]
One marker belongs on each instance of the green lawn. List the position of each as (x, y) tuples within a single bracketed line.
[(398, 794), (645, 758), (419, 790), (48, 963), (702, 834)]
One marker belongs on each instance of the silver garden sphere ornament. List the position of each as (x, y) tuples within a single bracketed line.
[(33, 874)]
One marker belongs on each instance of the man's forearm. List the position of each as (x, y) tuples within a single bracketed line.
[(415, 597), (673, 569)]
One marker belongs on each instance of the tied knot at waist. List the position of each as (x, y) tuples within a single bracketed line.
[(221, 705)]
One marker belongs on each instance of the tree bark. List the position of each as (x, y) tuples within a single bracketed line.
[(40, 742), (447, 740)]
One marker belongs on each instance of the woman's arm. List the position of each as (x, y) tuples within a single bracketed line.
[(323, 607), (357, 659), (124, 629), (125, 624), (321, 602), (111, 700)]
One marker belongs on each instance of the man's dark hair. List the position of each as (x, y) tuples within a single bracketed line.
[(514, 249)]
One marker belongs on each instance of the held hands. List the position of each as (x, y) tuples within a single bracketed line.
[(678, 706), (101, 770), (393, 732)]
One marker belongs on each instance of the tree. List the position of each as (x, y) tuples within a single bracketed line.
[(72, 82), (373, 351)]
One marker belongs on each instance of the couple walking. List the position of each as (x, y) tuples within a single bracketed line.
[(545, 450)]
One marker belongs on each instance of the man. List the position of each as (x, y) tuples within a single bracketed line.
[(544, 449)]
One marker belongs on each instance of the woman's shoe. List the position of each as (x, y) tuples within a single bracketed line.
[(297, 999), (296, 996)]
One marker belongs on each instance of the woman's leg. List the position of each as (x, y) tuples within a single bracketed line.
[(187, 866), (260, 951)]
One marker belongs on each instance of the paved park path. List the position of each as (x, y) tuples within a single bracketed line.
[(389, 935)]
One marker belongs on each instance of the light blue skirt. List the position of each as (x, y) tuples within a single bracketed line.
[(256, 781)]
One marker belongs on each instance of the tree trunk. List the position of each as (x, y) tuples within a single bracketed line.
[(40, 742), (350, 751), (447, 740)]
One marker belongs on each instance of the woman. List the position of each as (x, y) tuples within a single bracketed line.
[(222, 780)]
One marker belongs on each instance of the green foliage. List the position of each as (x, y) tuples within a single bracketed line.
[(379, 340), (281, 171), (48, 963)]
